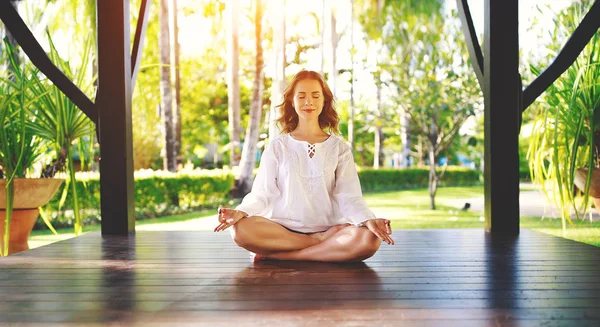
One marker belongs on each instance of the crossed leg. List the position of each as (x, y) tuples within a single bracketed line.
[(271, 240)]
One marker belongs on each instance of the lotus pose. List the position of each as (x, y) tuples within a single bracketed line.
[(306, 202)]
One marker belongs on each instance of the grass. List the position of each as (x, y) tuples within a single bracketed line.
[(407, 209), (410, 210), (188, 221)]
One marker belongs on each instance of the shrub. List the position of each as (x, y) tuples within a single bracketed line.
[(400, 179), (157, 193)]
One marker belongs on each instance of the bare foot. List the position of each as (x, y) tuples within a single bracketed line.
[(322, 236), (259, 257), (255, 257)]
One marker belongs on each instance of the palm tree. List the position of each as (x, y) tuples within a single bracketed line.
[(169, 160), (323, 37), (233, 83), (352, 106), (378, 131), (280, 63), (405, 17), (244, 183), (177, 114), (335, 38)]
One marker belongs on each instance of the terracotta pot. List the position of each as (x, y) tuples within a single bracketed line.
[(580, 179), (21, 224), (30, 193)]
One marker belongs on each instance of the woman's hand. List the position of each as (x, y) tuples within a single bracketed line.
[(228, 217), (381, 228)]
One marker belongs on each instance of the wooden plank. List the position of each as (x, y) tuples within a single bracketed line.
[(142, 290), (472, 42), (502, 94), (435, 277), (114, 128), (336, 317), (138, 40)]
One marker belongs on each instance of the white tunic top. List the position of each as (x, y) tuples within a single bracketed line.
[(307, 194)]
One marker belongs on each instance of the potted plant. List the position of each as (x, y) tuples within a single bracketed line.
[(36, 117), (564, 150), (20, 148)]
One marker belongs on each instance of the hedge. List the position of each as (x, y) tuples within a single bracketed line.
[(164, 193), (373, 180), (156, 194)]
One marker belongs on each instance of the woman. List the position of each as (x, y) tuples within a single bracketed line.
[(306, 202)]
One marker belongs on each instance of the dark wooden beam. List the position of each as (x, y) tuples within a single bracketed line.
[(114, 124), (138, 41), (502, 93), (567, 55), (472, 41), (21, 32)]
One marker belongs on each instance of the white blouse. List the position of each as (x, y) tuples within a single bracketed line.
[(304, 193)]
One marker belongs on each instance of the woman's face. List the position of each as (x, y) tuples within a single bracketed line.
[(308, 99)]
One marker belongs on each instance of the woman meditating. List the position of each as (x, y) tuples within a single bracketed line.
[(306, 202)]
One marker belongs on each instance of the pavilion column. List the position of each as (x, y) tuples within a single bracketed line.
[(114, 118), (502, 92)]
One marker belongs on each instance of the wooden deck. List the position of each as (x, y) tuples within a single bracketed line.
[(430, 277)]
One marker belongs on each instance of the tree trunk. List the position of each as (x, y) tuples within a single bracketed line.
[(433, 180), (169, 161), (405, 137), (233, 82), (352, 108), (244, 183), (334, 44), (324, 2), (433, 144), (279, 82), (377, 153), (177, 113), (90, 17)]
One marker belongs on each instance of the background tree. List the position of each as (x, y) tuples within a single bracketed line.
[(279, 78), (177, 70), (146, 105), (244, 182), (441, 65), (352, 53), (164, 45), (233, 80)]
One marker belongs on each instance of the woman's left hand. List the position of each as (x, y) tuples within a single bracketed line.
[(381, 228)]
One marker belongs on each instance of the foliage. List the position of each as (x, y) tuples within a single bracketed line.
[(156, 194), (566, 133), (145, 111), (60, 122), (410, 178), (19, 146), (436, 61)]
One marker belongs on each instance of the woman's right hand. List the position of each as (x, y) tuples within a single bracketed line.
[(228, 217)]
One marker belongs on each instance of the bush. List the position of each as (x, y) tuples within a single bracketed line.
[(156, 194), (159, 193), (373, 180)]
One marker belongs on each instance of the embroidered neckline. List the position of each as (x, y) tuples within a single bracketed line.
[(306, 142), (311, 147)]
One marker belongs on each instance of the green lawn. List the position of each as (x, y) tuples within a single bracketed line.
[(407, 210)]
